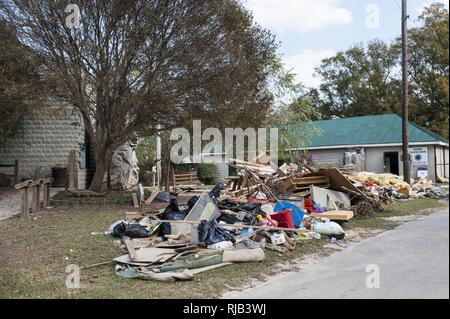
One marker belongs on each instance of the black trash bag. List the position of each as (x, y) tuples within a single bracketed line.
[(254, 209), (172, 212), (215, 192), (119, 230), (136, 231), (210, 233), (192, 201), (132, 231), (165, 197), (228, 218)]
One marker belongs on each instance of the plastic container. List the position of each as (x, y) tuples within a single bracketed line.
[(284, 218), (297, 212)]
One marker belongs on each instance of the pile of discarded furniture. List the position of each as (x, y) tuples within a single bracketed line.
[(262, 208)]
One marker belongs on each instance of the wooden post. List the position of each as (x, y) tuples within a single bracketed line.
[(72, 170), (16, 171), (35, 199), (45, 194), (25, 208), (405, 96)]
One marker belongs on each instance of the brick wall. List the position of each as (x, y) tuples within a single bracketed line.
[(44, 140)]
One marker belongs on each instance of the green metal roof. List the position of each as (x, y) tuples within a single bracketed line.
[(366, 130)]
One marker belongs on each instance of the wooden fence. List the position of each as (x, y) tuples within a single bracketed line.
[(35, 187)]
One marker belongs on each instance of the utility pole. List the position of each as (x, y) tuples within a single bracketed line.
[(158, 156), (405, 113)]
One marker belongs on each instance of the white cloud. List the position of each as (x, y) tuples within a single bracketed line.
[(427, 3), (303, 65), (299, 15)]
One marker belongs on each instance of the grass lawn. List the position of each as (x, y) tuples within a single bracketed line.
[(36, 251)]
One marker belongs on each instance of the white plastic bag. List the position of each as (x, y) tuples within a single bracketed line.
[(330, 228)]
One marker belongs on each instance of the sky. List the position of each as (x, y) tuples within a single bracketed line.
[(311, 30)]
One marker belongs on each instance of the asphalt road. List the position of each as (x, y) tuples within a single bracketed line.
[(413, 262)]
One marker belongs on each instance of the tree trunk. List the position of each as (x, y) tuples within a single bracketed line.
[(101, 166), (108, 179)]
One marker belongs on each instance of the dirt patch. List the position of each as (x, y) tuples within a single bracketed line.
[(11, 201)]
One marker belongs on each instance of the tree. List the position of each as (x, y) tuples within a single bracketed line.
[(366, 80), (133, 66), (360, 81), (294, 111), (429, 70), (19, 81)]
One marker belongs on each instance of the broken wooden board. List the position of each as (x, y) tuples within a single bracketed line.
[(264, 159), (343, 215), (338, 182), (135, 200), (311, 180), (130, 248), (130, 216), (152, 197), (283, 170)]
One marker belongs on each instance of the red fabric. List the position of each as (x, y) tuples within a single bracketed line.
[(309, 206)]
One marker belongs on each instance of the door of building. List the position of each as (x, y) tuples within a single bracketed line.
[(391, 163)]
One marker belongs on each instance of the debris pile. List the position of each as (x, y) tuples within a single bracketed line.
[(387, 187), (263, 207)]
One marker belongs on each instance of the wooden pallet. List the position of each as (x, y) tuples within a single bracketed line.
[(185, 178)]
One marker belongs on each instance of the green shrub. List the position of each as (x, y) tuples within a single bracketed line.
[(207, 174), (284, 159)]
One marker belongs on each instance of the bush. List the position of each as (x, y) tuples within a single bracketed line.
[(284, 159), (207, 174)]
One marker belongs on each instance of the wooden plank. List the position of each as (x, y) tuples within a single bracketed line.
[(152, 197), (135, 200), (34, 200), (38, 195), (186, 175), (311, 180), (338, 181), (336, 214), (333, 202), (130, 248), (72, 170), (45, 195), (23, 184), (130, 216), (25, 208)]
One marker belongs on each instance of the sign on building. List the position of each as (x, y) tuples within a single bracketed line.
[(419, 156)]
